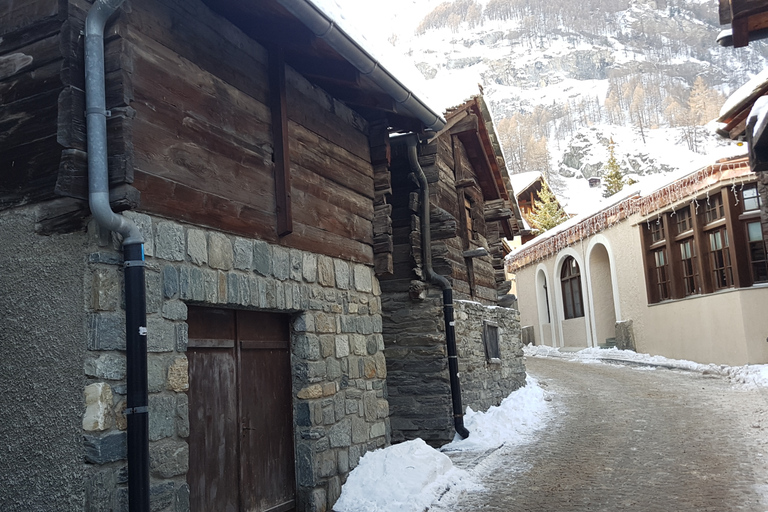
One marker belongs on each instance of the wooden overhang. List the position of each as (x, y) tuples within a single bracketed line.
[(471, 123), (748, 20), (735, 111), (272, 25)]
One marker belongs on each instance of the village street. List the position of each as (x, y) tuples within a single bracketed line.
[(622, 438)]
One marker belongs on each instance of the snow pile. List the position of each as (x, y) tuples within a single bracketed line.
[(521, 413), (750, 375), (406, 477), (411, 476)]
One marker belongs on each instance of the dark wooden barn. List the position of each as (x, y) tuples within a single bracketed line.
[(472, 209), (249, 143)]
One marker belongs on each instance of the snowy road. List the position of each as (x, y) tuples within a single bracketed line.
[(632, 440)]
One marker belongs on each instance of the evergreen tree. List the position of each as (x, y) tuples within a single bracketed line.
[(547, 212), (612, 177)]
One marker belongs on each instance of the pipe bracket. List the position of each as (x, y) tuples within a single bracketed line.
[(136, 410), (98, 111), (134, 263)]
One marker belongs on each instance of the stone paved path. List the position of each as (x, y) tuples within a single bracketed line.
[(622, 439)]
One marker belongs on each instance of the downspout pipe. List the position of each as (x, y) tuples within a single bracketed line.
[(443, 283), (133, 255)]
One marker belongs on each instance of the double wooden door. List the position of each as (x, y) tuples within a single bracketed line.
[(241, 456)]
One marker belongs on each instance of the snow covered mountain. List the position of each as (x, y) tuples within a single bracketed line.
[(565, 78)]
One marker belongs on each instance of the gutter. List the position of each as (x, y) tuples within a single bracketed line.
[(136, 412), (444, 284), (326, 29)]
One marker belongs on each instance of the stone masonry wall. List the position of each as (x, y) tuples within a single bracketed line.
[(340, 399), (417, 378), (484, 383), (417, 367)]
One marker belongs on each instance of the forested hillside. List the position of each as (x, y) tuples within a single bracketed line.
[(561, 72)]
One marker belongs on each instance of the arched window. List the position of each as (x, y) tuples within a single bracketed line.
[(570, 279)]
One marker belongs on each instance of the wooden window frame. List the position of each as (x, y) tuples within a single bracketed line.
[(714, 209), (709, 269), (689, 271), (683, 220), (570, 284), (758, 259), (661, 274), (720, 263), (748, 197)]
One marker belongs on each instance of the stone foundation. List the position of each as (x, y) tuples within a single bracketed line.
[(340, 399), (486, 383), (417, 364)]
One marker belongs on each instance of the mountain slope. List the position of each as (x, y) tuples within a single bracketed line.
[(564, 77)]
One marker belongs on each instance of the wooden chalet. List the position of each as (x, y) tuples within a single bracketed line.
[(748, 20), (249, 142), (738, 119), (472, 209), (527, 187)]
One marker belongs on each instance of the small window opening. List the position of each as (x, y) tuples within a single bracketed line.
[(491, 342)]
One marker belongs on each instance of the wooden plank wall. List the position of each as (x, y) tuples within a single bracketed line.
[(190, 128), (42, 127), (30, 83), (202, 136), (446, 213), (191, 131), (483, 275)]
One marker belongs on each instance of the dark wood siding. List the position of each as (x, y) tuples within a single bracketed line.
[(202, 136), (190, 132), (30, 84), (475, 278)]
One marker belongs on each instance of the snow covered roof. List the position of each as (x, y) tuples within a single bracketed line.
[(734, 112), (523, 180), (643, 199)]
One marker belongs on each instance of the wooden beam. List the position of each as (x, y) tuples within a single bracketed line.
[(740, 32), (281, 155), (354, 97), (747, 7), (330, 69), (724, 10), (468, 123)]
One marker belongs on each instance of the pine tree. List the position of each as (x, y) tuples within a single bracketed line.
[(547, 212), (612, 177)]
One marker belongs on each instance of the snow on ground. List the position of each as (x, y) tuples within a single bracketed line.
[(751, 376), (410, 476), (401, 478), (510, 423)]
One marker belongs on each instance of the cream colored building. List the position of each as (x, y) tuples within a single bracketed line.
[(682, 268)]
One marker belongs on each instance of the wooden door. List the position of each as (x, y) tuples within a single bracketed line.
[(240, 412)]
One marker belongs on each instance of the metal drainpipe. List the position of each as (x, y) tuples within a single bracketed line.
[(444, 284), (133, 256)]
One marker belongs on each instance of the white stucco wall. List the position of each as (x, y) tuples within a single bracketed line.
[(727, 327)]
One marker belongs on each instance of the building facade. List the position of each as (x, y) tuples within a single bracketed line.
[(246, 150), (471, 209), (678, 272)]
